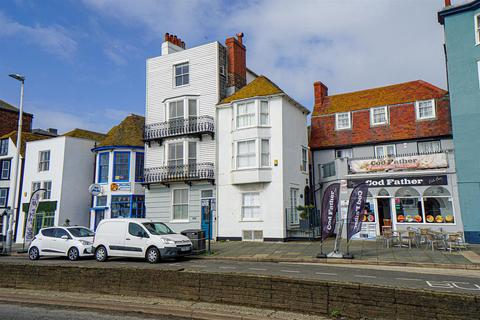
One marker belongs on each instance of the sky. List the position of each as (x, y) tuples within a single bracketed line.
[(84, 60)]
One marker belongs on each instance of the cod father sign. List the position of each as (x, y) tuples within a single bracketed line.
[(400, 181)]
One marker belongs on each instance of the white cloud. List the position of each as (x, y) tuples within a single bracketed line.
[(53, 39), (348, 45)]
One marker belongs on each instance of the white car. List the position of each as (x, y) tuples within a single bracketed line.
[(72, 242), (140, 238)]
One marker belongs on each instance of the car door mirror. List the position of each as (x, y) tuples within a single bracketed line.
[(64, 237)]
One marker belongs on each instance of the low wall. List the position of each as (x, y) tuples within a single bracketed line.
[(306, 296)]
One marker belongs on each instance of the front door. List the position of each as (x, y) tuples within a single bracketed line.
[(99, 216), (208, 208), (384, 213)]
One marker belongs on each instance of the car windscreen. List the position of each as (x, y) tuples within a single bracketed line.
[(81, 232), (157, 228)]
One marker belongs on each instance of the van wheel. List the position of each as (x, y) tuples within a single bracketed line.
[(153, 255), (101, 254), (33, 253), (73, 254)]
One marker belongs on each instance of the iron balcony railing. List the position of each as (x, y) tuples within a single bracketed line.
[(185, 173), (178, 127)]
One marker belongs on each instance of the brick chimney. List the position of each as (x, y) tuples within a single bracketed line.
[(321, 91), (171, 43), (448, 3), (236, 62)]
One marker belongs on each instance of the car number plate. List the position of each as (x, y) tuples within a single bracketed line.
[(185, 248)]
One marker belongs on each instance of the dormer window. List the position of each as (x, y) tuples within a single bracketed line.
[(252, 113), (182, 74), (378, 116), (425, 110), (343, 121)]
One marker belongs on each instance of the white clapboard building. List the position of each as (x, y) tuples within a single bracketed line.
[(188, 153)]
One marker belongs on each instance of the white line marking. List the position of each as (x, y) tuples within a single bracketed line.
[(326, 273), (174, 264), (361, 276), (257, 269), (290, 271), (200, 266), (228, 267), (408, 279)]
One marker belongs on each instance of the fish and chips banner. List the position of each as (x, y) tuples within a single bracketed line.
[(32, 209), (416, 162), (355, 210), (329, 210)]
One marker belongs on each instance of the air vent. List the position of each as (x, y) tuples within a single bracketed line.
[(252, 235)]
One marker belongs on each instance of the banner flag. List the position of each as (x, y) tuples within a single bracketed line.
[(32, 209), (329, 210), (355, 209)]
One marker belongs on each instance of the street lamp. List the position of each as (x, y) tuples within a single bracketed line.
[(20, 78)]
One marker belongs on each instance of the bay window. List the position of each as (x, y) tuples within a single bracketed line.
[(252, 113), (120, 207), (3, 199), (251, 206), (175, 110), (3, 147), (264, 113), (425, 109), (121, 166), (103, 165), (246, 114), (139, 166), (4, 169), (180, 204), (175, 154), (265, 151), (246, 155)]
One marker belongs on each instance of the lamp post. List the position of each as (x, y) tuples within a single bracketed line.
[(16, 163)]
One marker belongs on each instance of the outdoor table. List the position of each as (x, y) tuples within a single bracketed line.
[(400, 240)]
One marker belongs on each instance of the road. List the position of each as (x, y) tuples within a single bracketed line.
[(24, 312), (460, 281)]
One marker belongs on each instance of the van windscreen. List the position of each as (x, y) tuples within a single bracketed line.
[(157, 228)]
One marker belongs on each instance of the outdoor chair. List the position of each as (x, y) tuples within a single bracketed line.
[(455, 242), (388, 237), (433, 241), (423, 235), (410, 238)]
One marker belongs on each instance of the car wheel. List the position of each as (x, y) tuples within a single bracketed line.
[(73, 254), (101, 254), (153, 255), (33, 253)]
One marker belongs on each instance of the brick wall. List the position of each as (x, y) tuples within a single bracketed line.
[(403, 126), (9, 122), (306, 296)]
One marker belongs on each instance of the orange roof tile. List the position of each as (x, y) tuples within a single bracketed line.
[(389, 95)]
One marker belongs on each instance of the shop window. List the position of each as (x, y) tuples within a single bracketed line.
[(368, 211), (437, 202), (408, 206), (101, 201), (138, 207), (383, 193), (120, 206)]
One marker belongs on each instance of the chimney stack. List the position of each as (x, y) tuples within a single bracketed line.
[(236, 63), (321, 92), (171, 43)]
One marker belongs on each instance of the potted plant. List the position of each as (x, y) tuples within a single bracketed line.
[(305, 216)]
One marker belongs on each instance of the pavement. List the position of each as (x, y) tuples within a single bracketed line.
[(430, 279), (53, 305), (367, 252)]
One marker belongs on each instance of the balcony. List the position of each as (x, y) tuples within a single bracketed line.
[(192, 126), (180, 173)]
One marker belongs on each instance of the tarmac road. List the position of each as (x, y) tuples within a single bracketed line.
[(24, 312), (460, 281)]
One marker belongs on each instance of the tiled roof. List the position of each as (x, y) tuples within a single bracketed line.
[(261, 86), (7, 106), (85, 134), (389, 95), (26, 137), (128, 133)]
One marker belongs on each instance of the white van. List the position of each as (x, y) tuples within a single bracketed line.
[(140, 238)]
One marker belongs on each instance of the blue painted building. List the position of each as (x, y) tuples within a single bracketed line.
[(119, 170), (461, 23)]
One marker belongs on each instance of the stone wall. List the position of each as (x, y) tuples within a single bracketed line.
[(307, 296)]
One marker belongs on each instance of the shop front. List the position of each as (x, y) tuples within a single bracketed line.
[(400, 202)]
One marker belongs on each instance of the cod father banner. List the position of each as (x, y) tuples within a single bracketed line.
[(32, 209), (329, 210), (355, 209)]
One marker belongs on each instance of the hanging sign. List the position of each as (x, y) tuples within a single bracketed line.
[(329, 210), (355, 210), (95, 189)]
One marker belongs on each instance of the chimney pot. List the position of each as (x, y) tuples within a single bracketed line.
[(166, 37), (320, 91), (240, 36), (448, 3)]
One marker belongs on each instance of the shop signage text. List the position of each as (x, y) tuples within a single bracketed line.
[(418, 162), (401, 181)]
